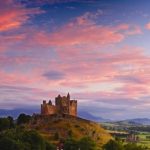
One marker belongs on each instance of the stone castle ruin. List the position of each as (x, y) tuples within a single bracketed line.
[(63, 105)]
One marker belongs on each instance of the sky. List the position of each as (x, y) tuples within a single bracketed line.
[(98, 50)]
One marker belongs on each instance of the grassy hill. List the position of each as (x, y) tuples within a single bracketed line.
[(56, 127)]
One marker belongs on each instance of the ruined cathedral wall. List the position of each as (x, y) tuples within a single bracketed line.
[(48, 109), (52, 109), (73, 108), (62, 105), (44, 109)]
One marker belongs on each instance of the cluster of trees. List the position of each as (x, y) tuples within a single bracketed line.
[(6, 123), (13, 136), (20, 139), (88, 144), (83, 144), (118, 145), (9, 122)]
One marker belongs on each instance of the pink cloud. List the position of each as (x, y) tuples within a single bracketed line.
[(81, 32), (128, 67), (14, 78), (84, 31), (76, 34), (148, 26), (13, 14), (17, 60), (8, 41)]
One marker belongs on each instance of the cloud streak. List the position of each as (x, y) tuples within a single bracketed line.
[(13, 15)]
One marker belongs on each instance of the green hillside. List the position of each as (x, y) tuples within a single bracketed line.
[(56, 127)]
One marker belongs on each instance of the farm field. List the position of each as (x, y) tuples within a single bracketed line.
[(144, 138), (122, 131)]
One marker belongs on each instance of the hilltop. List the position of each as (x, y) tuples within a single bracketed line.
[(54, 127), (60, 121)]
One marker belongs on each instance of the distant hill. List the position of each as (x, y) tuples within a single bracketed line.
[(15, 112), (65, 126), (87, 115), (142, 121), (136, 121)]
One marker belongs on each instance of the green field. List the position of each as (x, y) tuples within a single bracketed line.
[(144, 137), (143, 140)]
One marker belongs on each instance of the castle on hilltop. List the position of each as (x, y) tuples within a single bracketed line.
[(63, 105)]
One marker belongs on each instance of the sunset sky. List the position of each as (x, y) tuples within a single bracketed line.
[(98, 50)]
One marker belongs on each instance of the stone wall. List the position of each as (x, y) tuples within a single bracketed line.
[(48, 109), (73, 108)]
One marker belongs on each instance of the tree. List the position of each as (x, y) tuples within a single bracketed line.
[(50, 146), (86, 144), (23, 118), (56, 136), (70, 133), (34, 140), (4, 124), (113, 145), (11, 122), (70, 144), (7, 143)]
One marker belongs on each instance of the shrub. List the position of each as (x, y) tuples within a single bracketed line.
[(23, 118)]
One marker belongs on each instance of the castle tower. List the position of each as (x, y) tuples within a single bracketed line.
[(62, 104), (68, 96), (73, 108)]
